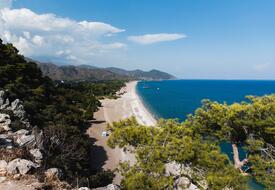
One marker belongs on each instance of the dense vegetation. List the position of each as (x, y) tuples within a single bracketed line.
[(62, 110), (194, 144)]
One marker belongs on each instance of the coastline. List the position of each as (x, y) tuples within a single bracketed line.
[(140, 111), (129, 104)]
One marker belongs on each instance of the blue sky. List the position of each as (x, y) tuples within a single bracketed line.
[(212, 39)]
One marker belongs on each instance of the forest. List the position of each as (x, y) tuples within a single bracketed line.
[(62, 110), (193, 146)]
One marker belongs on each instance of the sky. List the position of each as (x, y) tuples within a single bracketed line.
[(192, 39)]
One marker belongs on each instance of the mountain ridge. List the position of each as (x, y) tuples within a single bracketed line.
[(93, 73)]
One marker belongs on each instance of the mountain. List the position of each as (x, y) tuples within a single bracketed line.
[(139, 74), (86, 72), (69, 73)]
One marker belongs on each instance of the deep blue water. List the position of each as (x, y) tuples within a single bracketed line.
[(178, 98)]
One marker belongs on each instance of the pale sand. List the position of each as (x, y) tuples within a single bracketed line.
[(129, 104)]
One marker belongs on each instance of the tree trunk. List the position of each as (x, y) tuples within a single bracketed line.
[(237, 163)]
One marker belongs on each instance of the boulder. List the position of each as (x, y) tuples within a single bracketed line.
[(23, 140), (5, 122), (21, 132), (3, 167), (173, 168), (18, 109), (53, 173), (36, 153), (182, 183), (109, 187), (20, 166)]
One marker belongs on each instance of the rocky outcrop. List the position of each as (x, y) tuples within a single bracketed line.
[(18, 144), (20, 166), (182, 175), (16, 107), (24, 139)]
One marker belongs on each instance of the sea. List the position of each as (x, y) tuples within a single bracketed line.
[(178, 98)]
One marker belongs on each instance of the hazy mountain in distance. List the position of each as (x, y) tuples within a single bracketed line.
[(139, 74), (93, 73), (76, 73)]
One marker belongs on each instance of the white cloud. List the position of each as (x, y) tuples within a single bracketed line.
[(5, 3), (56, 38), (262, 67), (155, 38)]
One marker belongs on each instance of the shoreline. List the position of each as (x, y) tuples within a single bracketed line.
[(127, 105), (144, 117)]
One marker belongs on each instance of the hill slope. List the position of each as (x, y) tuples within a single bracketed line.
[(69, 73), (84, 72), (139, 74)]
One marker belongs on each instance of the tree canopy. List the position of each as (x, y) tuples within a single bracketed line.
[(195, 144)]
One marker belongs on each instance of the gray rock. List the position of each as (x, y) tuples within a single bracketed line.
[(16, 107), (182, 183), (5, 122), (4, 136), (173, 168), (83, 188), (36, 153), (22, 132), (20, 166), (3, 167), (24, 140), (5, 104), (53, 173), (109, 187)]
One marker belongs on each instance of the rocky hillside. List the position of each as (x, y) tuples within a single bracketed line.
[(22, 153), (21, 147), (83, 72)]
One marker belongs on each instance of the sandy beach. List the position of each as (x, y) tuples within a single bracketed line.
[(129, 104)]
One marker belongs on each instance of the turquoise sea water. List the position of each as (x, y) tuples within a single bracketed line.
[(178, 98)]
